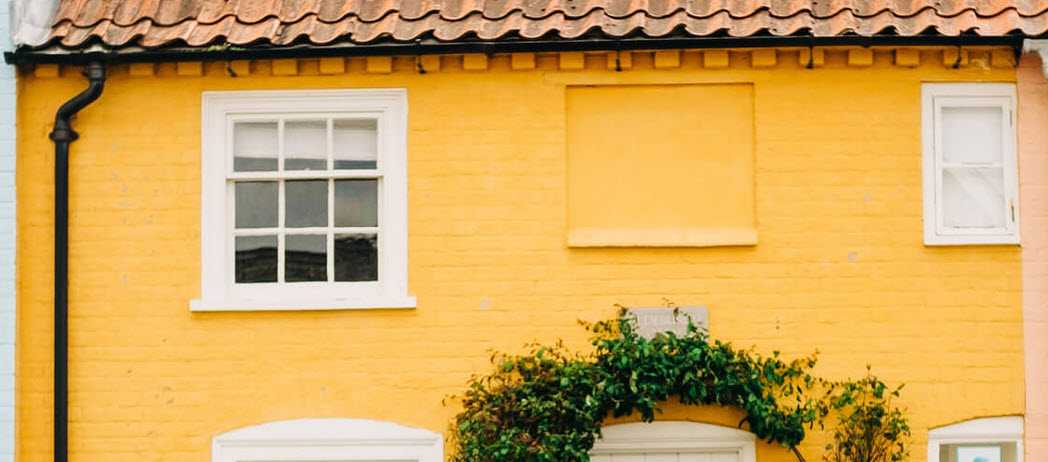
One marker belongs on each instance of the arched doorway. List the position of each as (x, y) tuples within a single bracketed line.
[(674, 441)]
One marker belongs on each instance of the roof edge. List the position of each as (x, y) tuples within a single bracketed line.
[(230, 53)]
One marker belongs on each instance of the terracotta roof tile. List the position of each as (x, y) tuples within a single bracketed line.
[(196, 23)]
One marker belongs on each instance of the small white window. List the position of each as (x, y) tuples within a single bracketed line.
[(304, 200), (341, 440), (993, 439), (971, 185)]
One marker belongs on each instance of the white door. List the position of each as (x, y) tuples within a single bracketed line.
[(674, 441)]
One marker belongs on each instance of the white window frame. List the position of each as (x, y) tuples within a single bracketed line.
[(328, 440), (674, 436), (934, 97), (987, 431), (219, 292)]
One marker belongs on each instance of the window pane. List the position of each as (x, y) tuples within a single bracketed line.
[(307, 203), (256, 259), (356, 257), (973, 198), (254, 146), (356, 203), (256, 204), (305, 145), (971, 135), (356, 144), (305, 258), (979, 453)]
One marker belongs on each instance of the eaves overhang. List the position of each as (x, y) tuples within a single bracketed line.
[(94, 53)]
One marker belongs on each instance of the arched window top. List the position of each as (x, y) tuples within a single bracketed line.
[(987, 427), (990, 439), (675, 437), (328, 439)]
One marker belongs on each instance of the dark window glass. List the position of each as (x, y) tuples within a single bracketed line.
[(256, 204), (305, 258), (306, 203), (356, 257), (256, 259), (356, 203)]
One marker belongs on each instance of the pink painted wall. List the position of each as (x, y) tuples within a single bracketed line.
[(1033, 180)]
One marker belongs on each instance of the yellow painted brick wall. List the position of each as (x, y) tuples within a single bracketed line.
[(840, 265)]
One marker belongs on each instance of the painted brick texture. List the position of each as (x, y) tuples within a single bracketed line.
[(1033, 159), (840, 266)]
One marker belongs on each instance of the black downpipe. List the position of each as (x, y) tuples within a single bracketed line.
[(63, 135)]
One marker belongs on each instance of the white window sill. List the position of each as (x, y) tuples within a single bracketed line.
[(375, 303), (974, 239)]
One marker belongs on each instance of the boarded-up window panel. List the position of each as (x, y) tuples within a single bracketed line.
[(665, 165)]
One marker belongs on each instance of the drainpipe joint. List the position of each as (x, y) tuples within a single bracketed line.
[(63, 129)]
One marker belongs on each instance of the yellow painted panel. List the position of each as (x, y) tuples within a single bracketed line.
[(190, 69), (648, 165), (285, 67), (764, 58), (44, 71), (667, 59), (336, 65), (715, 58), (572, 61), (475, 62), (141, 69), (429, 63), (379, 64), (907, 57), (522, 61), (860, 57)]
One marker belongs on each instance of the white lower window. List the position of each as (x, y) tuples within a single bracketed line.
[(994, 439), (304, 200), (971, 179), (328, 440)]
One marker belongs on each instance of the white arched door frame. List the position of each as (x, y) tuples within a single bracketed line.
[(670, 437), (342, 440)]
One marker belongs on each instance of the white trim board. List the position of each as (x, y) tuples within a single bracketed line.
[(675, 436)]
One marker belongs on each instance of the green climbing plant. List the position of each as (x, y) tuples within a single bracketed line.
[(548, 405), (868, 428)]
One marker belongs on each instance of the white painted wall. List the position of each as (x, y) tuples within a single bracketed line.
[(7, 245)]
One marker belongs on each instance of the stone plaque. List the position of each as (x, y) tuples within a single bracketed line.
[(651, 321)]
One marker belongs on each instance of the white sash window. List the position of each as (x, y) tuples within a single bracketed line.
[(304, 200), (971, 186)]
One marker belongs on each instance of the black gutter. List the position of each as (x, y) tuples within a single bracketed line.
[(63, 134), (227, 53)]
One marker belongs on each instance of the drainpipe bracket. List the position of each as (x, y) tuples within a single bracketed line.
[(1041, 48), (63, 134)]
